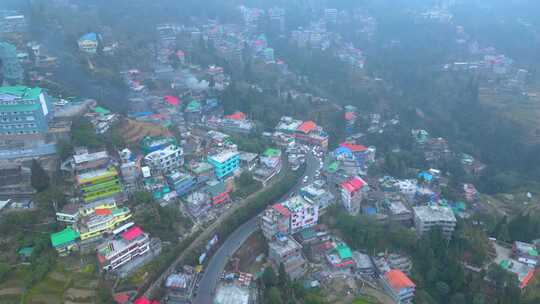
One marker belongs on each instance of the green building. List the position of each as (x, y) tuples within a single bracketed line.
[(24, 111)]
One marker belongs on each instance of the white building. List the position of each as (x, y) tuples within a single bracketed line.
[(289, 217), (119, 251), (352, 191), (167, 159), (427, 217), (398, 286)]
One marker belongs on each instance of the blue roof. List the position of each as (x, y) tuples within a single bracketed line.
[(89, 36), (425, 176), (369, 210), (343, 150)]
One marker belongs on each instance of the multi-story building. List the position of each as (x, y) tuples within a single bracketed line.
[(270, 166), (427, 217), (181, 182), (150, 144), (167, 159), (12, 22), (71, 213), (316, 194), (10, 67), (88, 43), (65, 240), (285, 250), (24, 113), (101, 221), (85, 161), (306, 132), (224, 163), (398, 286), (115, 253), (289, 217), (99, 184), (352, 194)]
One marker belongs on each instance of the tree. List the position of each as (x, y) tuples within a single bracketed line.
[(64, 149), (4, 271), (273, 296), (143, 197), (39, 178), (269, 277)]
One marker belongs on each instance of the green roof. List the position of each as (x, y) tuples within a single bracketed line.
[(19, 107), (22, 92), (332, 167), (26, 251), (308, 234), (64, 237), (101, 111), (271, 152), (504, 264), (532, 252), (344, 251), (193, 105)]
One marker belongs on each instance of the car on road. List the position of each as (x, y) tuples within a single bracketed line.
[(305, 179)]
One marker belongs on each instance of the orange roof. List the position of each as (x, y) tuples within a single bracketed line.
[(353, 147), (103, 211), (398, 280), (236, 116), (306, 126), (526, 279)]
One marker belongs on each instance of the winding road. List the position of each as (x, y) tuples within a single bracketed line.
[(217, 263)]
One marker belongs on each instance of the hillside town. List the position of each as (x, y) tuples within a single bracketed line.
[(204, 166)]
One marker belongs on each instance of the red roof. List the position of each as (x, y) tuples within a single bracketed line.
[(142, 300), (398, 280), (349, 115), (281, 209), (353, 184), (173, 101), (121, 298), (236, 116), (132, 233), (353, 147), (306, 126), (103, 211)]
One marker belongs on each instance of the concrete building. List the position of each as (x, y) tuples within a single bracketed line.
[(88, 43), (306, 132), (25, 113), (352, 194), (181, 182), (167, 159), (64, 241), (114, 253), (99, 184), (427, 217), (287, 251), (398, 286), (232, 294), (316, 194), (270, 166), (224, 163), (101, 221), (289, 217)]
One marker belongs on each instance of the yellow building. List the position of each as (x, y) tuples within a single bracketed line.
[(101, 221)]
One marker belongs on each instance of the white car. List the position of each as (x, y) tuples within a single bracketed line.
[(305, 179)]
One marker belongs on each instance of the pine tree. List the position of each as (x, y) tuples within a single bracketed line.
[(39, 178)]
